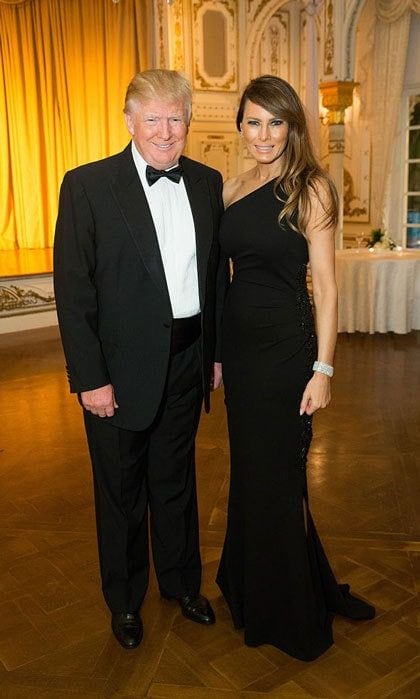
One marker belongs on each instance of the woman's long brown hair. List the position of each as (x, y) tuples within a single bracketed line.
[(301, 172)]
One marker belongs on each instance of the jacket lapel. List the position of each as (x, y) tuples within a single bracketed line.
[(131, 199), (200, 202)]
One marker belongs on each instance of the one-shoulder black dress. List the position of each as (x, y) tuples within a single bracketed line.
[(274, 573)]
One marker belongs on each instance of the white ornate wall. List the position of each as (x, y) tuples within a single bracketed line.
[(221, 44)]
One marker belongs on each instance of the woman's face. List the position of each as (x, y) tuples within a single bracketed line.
[(265, 134)]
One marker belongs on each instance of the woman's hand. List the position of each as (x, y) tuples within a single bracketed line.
[(317, 394), (217, 376)]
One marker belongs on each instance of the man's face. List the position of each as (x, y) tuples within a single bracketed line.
[(159, 130)]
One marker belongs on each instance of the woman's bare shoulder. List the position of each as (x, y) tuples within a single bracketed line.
[(232, 187)]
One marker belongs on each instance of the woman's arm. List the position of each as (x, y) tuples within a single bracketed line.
[(321, 241)]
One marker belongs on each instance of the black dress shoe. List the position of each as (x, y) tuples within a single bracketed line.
[(128, 629), (194, 607)]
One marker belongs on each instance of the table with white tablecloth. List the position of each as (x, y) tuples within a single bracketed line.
[(378, 291)]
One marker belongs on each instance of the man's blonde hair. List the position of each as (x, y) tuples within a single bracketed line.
[(167, 85)]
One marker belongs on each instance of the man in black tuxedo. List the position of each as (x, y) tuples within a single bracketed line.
[(139, 291)]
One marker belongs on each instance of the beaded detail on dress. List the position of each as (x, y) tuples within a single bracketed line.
[(307, 325), (306, 420), (306, 438), (303, 301)]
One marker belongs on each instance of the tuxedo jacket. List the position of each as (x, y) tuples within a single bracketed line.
[(112, 298)]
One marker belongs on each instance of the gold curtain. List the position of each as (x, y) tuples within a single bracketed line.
[(64, 68)]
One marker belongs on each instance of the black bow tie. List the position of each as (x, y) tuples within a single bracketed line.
[(153, 175)]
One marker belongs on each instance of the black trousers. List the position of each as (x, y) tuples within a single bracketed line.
[(152, 470)]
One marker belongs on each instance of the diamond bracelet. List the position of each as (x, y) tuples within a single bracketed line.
[(323, 368)]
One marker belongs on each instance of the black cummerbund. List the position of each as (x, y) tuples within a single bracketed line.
[(185, 331)]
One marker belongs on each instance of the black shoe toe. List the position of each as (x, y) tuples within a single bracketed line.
[(128, 629), (197, 609)]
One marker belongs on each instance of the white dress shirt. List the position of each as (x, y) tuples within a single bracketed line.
[(171, 213)]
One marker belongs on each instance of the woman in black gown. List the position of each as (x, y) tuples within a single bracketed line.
[(279, 216)]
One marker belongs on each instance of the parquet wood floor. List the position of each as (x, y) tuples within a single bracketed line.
[(55, 640)]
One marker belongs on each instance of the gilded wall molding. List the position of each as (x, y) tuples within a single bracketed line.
[(161, 33), (177, 44), (22, 295), (215, 111), (329, 38)]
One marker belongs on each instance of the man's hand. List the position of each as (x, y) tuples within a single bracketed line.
[(217, 376), (99, 401)]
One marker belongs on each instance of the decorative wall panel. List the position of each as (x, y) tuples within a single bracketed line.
[(218, 149), (215, 44), (274, 47), (273, 39)]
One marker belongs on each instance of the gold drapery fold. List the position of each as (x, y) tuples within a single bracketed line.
[(64, 68), (393, 10)]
